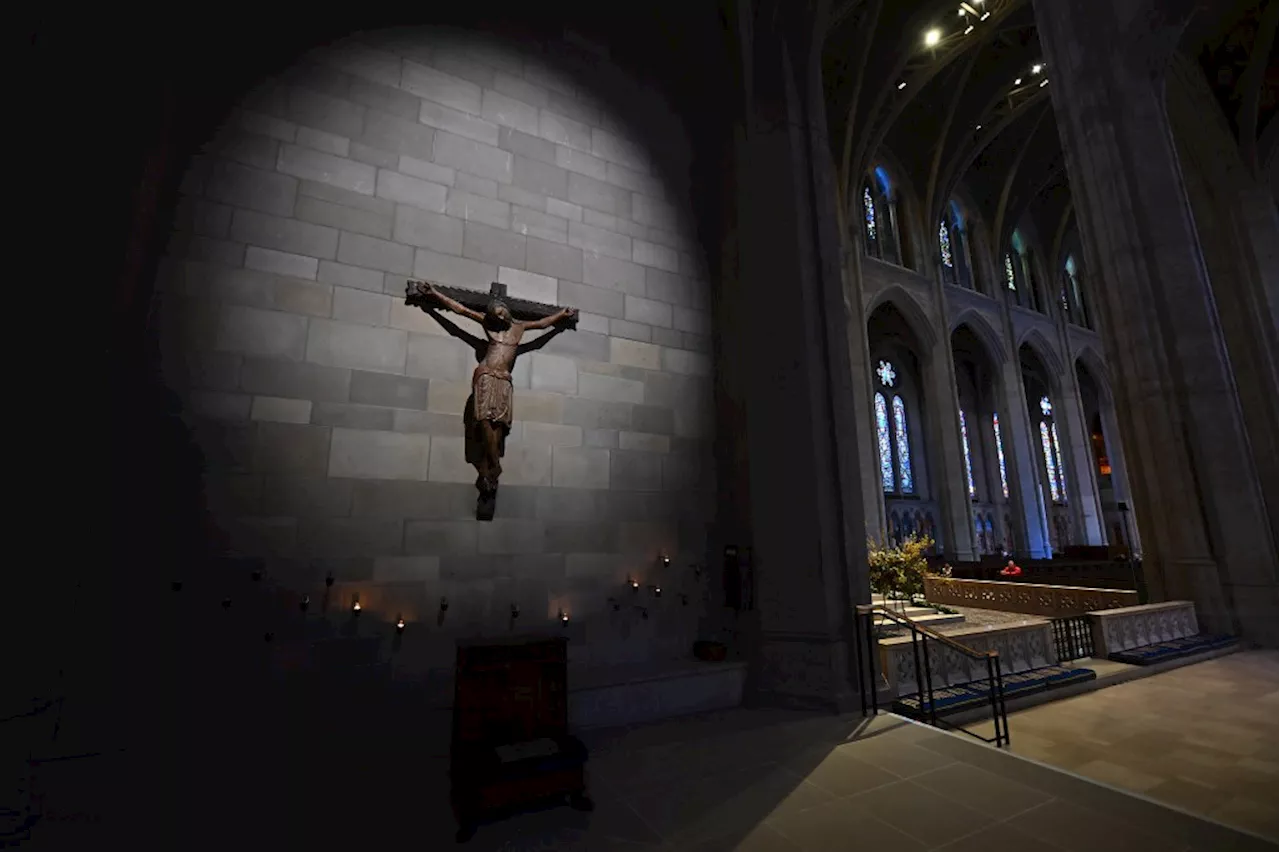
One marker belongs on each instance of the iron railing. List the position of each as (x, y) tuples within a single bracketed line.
[(920, 637), (1072, 638)]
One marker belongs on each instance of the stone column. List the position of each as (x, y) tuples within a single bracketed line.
[(949, 483), (1022, 465), (1081, 473), (807, 518), (1197, 496), (863, 427)]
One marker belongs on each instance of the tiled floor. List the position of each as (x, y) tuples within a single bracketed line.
[(762, 781), (780, 781), (1202, 738)]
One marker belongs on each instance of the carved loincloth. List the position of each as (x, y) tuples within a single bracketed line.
[(490, 400), (491, 388)]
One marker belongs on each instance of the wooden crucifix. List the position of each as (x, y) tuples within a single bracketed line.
[(488, 414)]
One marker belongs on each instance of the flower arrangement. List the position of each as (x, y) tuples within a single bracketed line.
[(899, 570)]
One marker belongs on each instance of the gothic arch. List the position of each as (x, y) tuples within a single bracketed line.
[(977, 322), (1093, 364), (912, 311), (1045, 351)]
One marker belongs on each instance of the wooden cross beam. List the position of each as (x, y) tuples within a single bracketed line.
[(523, 310)]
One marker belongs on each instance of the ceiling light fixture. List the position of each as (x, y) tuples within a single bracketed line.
[(965, 7), (932, 37), (968, 29), (985, 15), (1017, 82), (962, 13), (1044, 82), (902, 85), (977, 127), (1037, 68)]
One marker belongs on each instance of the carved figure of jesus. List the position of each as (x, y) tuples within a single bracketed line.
[(489, 411)]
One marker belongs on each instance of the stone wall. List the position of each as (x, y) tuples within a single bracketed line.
[(330, 413)]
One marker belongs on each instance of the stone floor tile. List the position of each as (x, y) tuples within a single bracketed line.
[(981, 790), (999, 837), (838, 826), (1077, 829), (920, 813)]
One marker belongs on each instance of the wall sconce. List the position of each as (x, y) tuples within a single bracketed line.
[(328, 580), (515, 612), (304, 603), (633, 583), (564, 618), (399, 624), (697, 571), (657, 591), (256, 574), (613, 602), (444, 604), (355, 606), (666, 560), (644, 612), (684, 600)]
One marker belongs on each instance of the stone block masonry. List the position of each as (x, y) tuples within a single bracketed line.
[(330, 414)]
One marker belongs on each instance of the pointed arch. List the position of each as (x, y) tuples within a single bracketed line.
[(1088, 358), (1046, 352), (977, 322), (911, 310)]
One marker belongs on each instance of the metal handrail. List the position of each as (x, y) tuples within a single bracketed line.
[(928, 631), (920, 636)]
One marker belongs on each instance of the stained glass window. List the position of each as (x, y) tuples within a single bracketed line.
[(886, 374), (1046, 407), (886, 452), (1004, 482), (968, 461), (1008, 273), (869, 209), (1046, 445), (1062, 467), (944, 240), (904, 447)]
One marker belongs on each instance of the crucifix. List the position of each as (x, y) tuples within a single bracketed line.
[(487, 417)]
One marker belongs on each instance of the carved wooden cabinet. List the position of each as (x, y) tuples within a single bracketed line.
[(511, 744)]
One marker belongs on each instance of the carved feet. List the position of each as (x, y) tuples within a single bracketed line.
[(487, 502)]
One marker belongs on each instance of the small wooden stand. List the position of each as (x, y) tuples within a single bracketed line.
[(511, 745)]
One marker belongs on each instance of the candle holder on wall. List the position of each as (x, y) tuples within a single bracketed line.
[(399, 635), (634, 584), (444, 607), (665, 560), (656, 591), (304, 603), (564, 618)]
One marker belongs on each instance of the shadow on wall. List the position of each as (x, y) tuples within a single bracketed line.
[(329, 412)]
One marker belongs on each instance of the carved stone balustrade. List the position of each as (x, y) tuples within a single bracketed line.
[(1132, 627), (1021, 647), (1027, 598)]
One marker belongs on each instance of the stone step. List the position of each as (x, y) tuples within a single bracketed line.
[(934, 619)]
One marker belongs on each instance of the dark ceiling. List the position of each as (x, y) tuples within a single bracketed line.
[(973, 120)]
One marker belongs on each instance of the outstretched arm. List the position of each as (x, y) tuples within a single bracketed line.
[(548, 321), (477, 345), (425, 288)]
